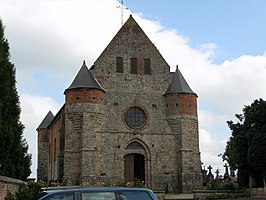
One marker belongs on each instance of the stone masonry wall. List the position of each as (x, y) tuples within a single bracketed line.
[(105, 138), (181, 116), (190, 156), (73, 141), (132, 42), (43, 160), (43, 154), (82, 122), (9, 185)]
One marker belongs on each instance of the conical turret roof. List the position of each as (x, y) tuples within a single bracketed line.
[(46, 121), (85, 79), (178, 85)]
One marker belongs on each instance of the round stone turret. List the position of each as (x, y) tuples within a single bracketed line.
[(84, 114), (181, 116)]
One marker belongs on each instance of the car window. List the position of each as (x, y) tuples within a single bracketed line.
[(98, 196), (133, 195), (61, 197)]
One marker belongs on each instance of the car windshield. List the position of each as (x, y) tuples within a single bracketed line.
[(59, 196), (42, 194)]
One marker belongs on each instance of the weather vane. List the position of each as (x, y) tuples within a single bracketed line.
[(122, 7)]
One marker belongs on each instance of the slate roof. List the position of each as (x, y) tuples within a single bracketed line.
[(178, 85), (85, 79), (46, 121)]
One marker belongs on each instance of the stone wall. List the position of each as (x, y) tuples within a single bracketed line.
[(257, 192), (219, 194), (9, 184), (160, 195)]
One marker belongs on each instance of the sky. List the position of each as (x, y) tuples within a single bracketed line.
[(219, 46)]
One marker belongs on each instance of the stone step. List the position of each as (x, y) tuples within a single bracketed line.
[(179, 197)]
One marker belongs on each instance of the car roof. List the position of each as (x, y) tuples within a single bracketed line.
[(90, 189)]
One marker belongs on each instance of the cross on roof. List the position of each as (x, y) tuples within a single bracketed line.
[(122, 7)]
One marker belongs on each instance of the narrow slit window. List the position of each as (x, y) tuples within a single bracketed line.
[(134, 65), (55, 149), (119, 65), (147, 66)]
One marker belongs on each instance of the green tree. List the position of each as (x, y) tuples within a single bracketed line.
[(246, 148), (14, 159)]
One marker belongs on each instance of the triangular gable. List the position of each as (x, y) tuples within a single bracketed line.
[(130, 41)]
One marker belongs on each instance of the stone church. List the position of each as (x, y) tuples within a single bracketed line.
[(126, 118)]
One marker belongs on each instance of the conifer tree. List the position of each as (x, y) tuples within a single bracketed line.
[(14, 160)]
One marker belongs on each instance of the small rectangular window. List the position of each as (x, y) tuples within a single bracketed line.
[(134, 65), (119, 65), (147, 66)]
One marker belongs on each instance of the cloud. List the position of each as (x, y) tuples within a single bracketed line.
[(34, 109), (56, 36), (233, 84), (211, 148)]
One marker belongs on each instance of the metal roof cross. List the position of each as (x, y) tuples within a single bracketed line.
[(122, 7)]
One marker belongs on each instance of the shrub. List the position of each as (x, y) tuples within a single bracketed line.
[(10, 196), (29, 192), (222, 196), (216, 185), (229, 186), (137, 183)]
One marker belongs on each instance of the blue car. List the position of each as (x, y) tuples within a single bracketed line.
[(94, 193)]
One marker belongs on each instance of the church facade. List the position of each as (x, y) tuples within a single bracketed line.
[(126, 118)]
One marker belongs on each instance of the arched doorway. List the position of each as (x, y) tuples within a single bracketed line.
[(135, 162), (134, 167)]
